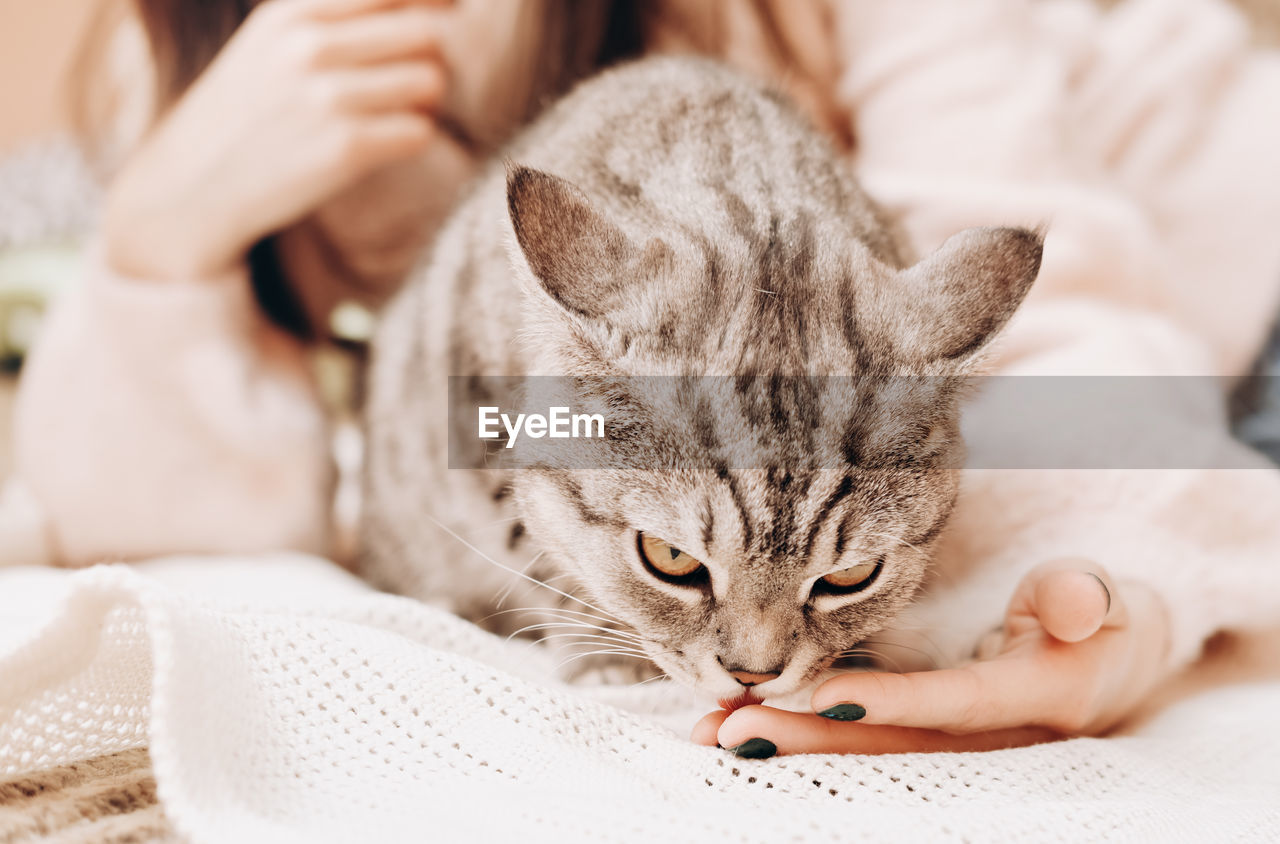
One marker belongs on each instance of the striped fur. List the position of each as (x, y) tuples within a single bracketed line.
[(670, 218)]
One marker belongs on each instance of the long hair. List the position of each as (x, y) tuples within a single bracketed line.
[(568, 39)]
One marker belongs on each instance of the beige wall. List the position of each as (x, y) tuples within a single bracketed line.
[(38, 42)]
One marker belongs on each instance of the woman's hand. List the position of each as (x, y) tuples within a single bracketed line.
[(305, 99), (1076, 654)]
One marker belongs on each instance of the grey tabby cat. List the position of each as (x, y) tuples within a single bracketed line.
[(672, 218)]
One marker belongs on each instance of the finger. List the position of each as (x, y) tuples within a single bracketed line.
[(1070, 599), (1072, 605), (1008, 692), (381, 140), (388, 87), (796, 732), (411, 31), (704, 732)]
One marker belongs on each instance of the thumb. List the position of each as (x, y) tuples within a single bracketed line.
[(1069, 599)]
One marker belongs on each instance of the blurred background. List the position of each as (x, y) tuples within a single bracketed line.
[(48, 192)]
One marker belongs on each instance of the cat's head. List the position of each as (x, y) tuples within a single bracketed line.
[(783, 438)]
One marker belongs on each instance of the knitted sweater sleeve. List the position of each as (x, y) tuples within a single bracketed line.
[(157, 417)]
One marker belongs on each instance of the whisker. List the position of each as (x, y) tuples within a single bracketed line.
[(563, 610), (603, 632), (590, 639), (547, 619), (610, 620), (884, 658), (932, 657), (598, 653), (576, 618), (926, 632), (606, 652), (935, 628), (505, 592), (663, 676), (489, 559), (858, 652), (496, 522)]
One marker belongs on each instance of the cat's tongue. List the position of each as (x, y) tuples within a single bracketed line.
[(744, 699)]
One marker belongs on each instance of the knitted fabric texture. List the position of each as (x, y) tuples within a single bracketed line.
[(284, 701)]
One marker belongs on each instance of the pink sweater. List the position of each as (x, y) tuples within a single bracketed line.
[(160, 417)]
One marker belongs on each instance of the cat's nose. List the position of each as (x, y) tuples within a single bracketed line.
[(749, 678)]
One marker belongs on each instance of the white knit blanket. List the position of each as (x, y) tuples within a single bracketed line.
[(282, 700)]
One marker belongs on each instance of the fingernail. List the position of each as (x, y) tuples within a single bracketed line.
[(844, 712), (1104, 589), (756, 748)]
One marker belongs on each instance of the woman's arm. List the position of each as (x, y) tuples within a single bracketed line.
[(1138, 138), (160, 411), (1159, 260), (156, 417)]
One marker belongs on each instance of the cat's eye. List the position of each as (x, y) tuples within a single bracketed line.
[(666, 562), (849, 581)]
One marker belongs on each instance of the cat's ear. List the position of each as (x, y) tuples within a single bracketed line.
[(574, 251), (946, 307)]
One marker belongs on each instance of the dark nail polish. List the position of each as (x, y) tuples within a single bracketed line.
[(756, 748), (844, 712)]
